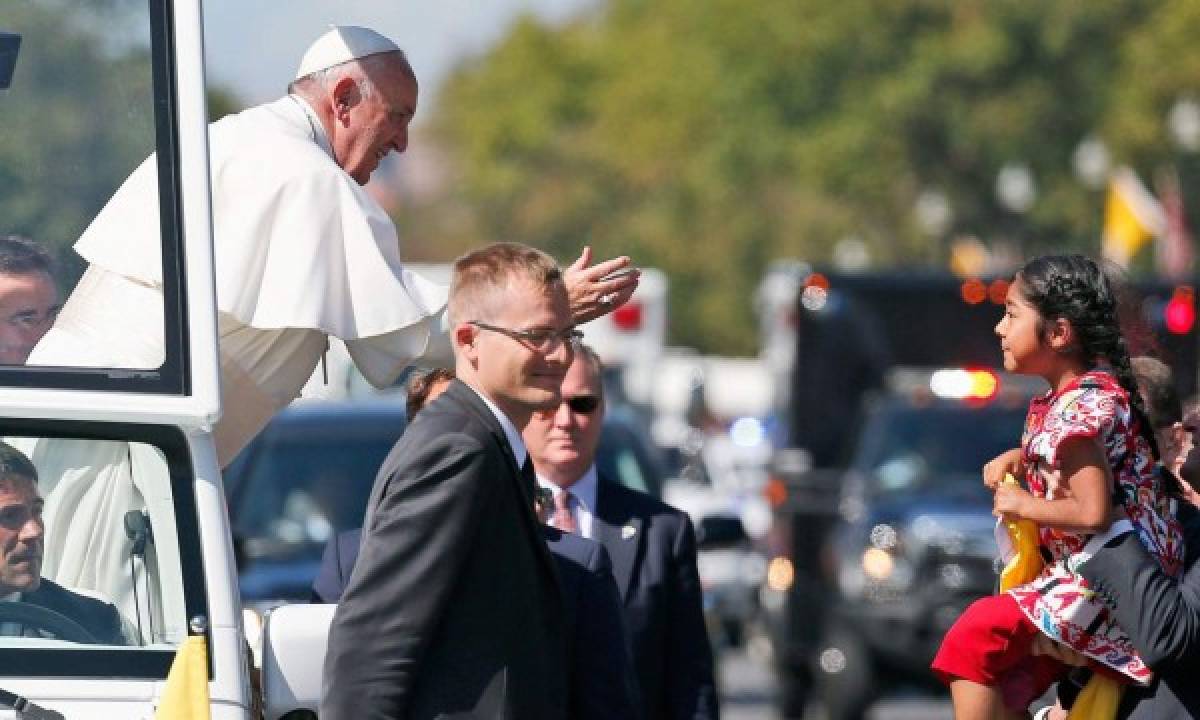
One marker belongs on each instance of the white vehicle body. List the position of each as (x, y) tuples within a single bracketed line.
[(189, 579)]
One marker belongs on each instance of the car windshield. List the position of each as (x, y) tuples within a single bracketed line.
[(625, 456), (309, 475), (84, 101), (305, 478), (905, 447), (99, 551)]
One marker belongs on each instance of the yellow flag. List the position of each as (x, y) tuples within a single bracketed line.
[(1132, 216), (185, 695), (1026, 563)]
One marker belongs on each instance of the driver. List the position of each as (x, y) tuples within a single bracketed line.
[(21, 549)]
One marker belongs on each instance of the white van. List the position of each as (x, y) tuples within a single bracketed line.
[(134, 519)]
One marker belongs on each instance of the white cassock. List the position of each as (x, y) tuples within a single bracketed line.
[(302, 252)]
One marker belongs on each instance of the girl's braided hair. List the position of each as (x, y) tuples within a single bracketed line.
[(1075, 288)]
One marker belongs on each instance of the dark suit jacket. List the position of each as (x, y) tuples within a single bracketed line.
[(453, 608), (602, 686), (96, 616), (654, 562), (1162, 617)]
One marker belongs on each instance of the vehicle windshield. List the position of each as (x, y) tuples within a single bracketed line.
[(98, 551), (87, 101), (304, 479), (906, 447)]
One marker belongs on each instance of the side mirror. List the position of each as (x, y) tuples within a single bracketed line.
[(10, 43), (717, 531), (294, 641)]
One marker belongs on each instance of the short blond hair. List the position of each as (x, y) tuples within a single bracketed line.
[(480, 275)]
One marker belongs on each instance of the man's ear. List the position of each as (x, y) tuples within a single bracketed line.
[(463, 337), (344, 95), (1178, 433)]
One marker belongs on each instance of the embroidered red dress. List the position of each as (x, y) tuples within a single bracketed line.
[(1058, 602)]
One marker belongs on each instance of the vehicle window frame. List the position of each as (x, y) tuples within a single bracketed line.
[(173, 377), (137, 663)]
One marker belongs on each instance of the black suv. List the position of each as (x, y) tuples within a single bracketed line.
[(910, 542)]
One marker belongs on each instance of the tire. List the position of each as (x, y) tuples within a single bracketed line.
[(844, 676)]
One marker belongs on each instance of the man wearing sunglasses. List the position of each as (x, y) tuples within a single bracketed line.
[(651, 544)]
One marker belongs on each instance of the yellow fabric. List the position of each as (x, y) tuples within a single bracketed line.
[(1026, 563), (185, 695), (1097, 701), (1099, 698)]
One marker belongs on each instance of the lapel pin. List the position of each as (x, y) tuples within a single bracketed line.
[(628, 531)]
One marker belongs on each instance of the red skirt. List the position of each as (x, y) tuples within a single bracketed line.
[(991, 644)]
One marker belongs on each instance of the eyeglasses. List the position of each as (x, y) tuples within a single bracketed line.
[(583, 404), (542, 340)]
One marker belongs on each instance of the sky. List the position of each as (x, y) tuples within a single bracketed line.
[(253, 47)]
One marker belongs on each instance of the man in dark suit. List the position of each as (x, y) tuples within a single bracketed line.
[(1161, 615), (22, 548), (454, 607), (651, 544), (601, 684)]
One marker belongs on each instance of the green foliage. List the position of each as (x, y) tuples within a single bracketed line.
[(77, 119), (709, 138)]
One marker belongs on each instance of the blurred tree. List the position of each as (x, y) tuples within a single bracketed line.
[(222, 102), (708, 138), (77, 119)]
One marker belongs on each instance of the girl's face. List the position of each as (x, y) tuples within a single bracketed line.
[(1020, 339)]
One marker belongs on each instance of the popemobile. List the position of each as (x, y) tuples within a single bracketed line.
[(116, 563)]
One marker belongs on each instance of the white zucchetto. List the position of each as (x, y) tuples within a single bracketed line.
[(341, 44)]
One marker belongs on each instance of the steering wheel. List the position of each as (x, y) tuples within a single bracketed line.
[(55, 623)]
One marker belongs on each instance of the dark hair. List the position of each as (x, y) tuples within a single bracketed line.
[(1076, 289), (21, 256), (419, 386), (13, 463), (1157, 387)]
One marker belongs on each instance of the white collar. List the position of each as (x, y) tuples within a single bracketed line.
[(316, 129), (584, 489), (510, 431), (11, 597)]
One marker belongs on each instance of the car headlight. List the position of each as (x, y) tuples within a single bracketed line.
[(780, 574), (880, 571)]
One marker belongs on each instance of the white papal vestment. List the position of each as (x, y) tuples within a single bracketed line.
[(302, 253)]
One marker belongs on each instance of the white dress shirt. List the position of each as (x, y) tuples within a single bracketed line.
[(510, 431), (584, 491)]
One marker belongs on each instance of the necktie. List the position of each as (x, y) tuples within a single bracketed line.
[(563, 518)]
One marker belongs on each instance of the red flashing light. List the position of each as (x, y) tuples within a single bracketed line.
[(971, 385), (817, 280), (974, 291), (628, 317), (998, 291), (1180, 312)]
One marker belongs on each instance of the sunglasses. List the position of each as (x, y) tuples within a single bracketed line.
[(583, 404)]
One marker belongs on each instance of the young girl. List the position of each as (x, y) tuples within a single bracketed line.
[(1087, 446)]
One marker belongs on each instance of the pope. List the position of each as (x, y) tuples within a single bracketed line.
[(302, 253)]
